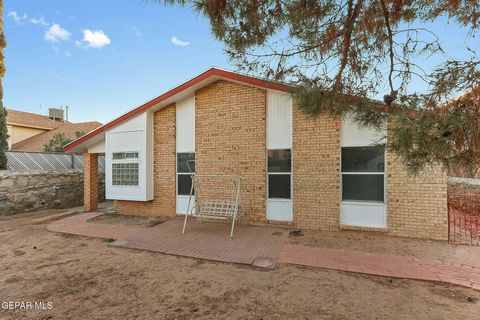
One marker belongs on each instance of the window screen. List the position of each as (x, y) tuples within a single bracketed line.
[(279, 186), (363, 187), (185, 162), (363, 159), (279, 160)]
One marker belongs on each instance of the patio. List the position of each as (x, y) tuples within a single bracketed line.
[(256, 246), (263, 247)]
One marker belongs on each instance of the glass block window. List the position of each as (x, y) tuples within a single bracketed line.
[(125, 174), (185, 168), (279, 174), (363, 174)]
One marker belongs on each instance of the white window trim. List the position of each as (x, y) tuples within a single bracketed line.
[(131, 160), (380, 204)]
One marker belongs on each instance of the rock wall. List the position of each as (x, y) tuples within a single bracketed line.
[(22, 191), (457, 185)]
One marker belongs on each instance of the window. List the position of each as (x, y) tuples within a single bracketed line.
[(185, 168), (125, 169), (125, 174), (124, 155), (363, 170), (279, 174)]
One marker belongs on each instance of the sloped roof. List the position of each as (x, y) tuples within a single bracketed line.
[(212, 74), (32, 120), (37, 142)]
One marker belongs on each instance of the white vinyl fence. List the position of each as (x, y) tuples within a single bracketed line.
[(27, 161)]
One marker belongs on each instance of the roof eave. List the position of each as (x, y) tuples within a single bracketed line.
[(229, 75)]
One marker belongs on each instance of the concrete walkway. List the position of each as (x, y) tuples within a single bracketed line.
[(263, 247), (463, 269)]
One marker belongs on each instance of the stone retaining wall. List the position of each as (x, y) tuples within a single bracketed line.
[(22, 191), (457, 185)]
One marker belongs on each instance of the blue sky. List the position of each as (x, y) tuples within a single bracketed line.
[(104, 57), (107, 74)]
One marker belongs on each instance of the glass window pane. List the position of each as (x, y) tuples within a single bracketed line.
[(363, 187), (118, 155), (279, 160), (184, 184), (279, 186), (186, 162), (363, 159), (131, 155)]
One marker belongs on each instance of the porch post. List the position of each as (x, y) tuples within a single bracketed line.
[(90, 181)]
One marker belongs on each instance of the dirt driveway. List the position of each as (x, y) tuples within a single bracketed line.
[(86, 279)]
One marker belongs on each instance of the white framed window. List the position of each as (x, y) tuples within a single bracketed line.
[(125, 168), (279, 174), (185, 168), (363, 174)]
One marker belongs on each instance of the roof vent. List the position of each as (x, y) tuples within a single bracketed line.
[(56, 114)]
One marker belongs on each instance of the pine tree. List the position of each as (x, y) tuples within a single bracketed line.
[(338, 55), (3, 111)]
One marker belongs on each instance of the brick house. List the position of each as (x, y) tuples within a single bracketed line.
[(313, 173)]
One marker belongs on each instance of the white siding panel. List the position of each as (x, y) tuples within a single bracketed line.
[(133, 135), (279, 120), (279, 210), (185, 118), (354, 135), (370, 215), (182, 204)]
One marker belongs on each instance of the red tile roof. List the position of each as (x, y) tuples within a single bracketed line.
[(37, 142), (28, 119)]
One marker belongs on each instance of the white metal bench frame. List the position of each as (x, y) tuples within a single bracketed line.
[(211, 208)]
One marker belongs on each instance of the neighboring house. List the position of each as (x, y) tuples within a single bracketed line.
[(23, 125), (312, 173), (37, 142)]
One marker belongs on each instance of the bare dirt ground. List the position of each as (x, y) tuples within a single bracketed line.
[(86, 279), (376, 242)]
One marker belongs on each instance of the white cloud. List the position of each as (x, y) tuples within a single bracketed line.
[(16, 17), (136, 30), (40, 21), (94, 39), (68, 54), (179, 42), (56, 33)]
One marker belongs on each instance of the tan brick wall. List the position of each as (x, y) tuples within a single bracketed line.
[(90, 181), (230, 138), (164, 168), (316, 173), (417, 206)]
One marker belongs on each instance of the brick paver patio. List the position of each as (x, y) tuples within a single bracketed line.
[(257, 246), (463, 269), (263, 247)]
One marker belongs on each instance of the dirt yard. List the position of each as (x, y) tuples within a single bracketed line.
[(376, 242), (85, 279)]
